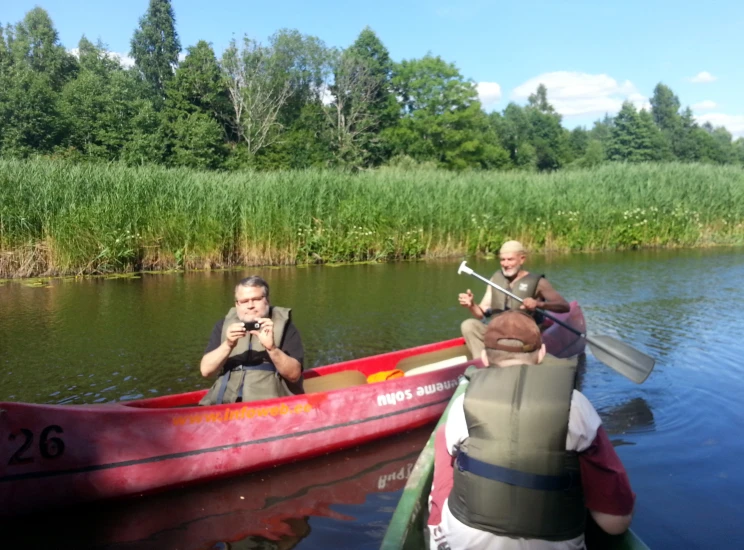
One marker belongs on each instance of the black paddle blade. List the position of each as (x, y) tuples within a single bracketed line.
[(626, 360)]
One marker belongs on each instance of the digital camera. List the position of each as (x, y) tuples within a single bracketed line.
[(252, 325)]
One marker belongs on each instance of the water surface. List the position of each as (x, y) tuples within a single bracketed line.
[(679, 434)]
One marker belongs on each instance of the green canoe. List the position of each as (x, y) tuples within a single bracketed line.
[(406, 529)]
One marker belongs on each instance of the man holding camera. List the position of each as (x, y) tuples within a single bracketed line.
[(256, 349)]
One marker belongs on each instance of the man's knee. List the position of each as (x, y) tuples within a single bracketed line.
[(472, 327)]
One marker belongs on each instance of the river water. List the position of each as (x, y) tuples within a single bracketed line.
[(680, 434)]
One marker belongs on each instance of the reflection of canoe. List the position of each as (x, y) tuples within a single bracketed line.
[(274, 504), (407, 527), (60, 454)]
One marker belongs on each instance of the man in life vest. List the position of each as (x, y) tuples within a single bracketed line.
[(534, 289), (256, 349), (530, 454)]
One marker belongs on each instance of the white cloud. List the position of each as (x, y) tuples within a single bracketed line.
[(579, 94), (489, 94), (705, 105), (702, 77), (733, 123), (124, 60), (325, 95)]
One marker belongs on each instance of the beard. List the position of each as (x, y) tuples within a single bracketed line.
[(509, 273)]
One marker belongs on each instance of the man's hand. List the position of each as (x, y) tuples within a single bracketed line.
[(466, 299), (265, 333), (530, 304), (234, 333)]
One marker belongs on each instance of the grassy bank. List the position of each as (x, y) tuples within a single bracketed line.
[(59, 218)]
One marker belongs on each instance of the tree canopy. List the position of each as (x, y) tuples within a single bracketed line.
[(294, 102)]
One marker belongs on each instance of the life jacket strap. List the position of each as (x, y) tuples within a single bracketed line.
[(539, 482)]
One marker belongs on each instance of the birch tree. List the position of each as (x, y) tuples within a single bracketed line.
[(351, 113), (258, 91)]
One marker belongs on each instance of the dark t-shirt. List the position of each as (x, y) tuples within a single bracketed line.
[(291, 342)]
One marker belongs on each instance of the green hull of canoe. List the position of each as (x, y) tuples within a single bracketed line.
[(406, 529)]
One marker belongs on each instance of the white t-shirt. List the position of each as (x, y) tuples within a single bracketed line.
[(451, 534)]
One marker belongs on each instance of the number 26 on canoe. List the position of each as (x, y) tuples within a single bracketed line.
[(49, 447)]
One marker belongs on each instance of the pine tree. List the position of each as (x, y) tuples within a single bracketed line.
[(634, 136)]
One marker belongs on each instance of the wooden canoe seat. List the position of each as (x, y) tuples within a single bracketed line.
[(335, 381), (435, 360)]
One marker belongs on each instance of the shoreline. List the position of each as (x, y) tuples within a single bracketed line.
[(42, 280)]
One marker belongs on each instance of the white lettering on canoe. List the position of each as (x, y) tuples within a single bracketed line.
[(399, 475), (394, 398)]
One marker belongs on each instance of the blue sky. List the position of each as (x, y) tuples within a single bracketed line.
[(592, 54)]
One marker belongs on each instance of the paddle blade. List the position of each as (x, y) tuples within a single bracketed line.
[(626, 360)]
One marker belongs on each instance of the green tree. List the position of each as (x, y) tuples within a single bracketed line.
[(442, 119), (513, 128), (703, 144), (383, 106), (34, 44), (594, 155), (525, 157), (96, 58), (155, 45), (602, 130), (196, 109), (145, 143), (97, 107), (547, 135), (634, 137), (665, 108), (29, 114), (33, 68), (688, 145), (305, 62), (198, 141), (738, 151), (578, 142)]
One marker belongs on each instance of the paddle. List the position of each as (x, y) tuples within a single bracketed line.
[(617, 355)]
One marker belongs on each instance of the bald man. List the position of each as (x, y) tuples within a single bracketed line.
[(534, 289)]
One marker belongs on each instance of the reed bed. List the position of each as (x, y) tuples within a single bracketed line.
[(62, 218)]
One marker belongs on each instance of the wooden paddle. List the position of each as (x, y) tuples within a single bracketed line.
[(617, 355)]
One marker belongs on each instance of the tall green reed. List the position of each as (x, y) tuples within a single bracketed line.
[(60, 218)]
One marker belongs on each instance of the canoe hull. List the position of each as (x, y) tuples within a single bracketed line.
[(55, 455), (112, 451)]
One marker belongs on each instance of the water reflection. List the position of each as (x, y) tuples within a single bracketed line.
[(270, 509)]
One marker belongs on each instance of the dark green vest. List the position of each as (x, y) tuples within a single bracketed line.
[(526, 287), (513, 476), (249, 372)]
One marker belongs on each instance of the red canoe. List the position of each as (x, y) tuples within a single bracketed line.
[(55, 455)]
